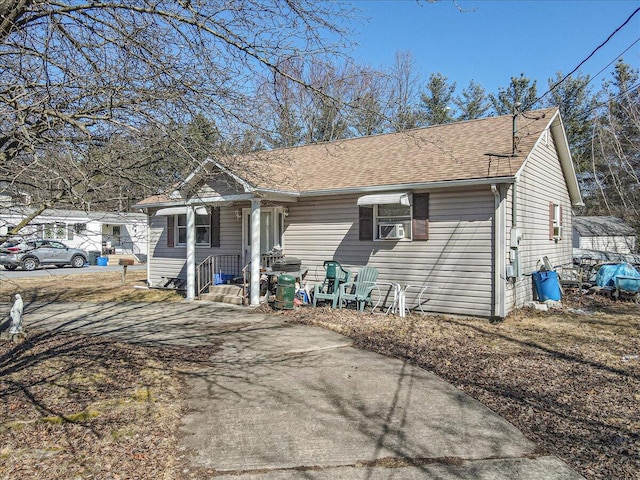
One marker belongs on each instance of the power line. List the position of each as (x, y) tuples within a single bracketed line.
[(615, 97), (614, 59), (553, 87)]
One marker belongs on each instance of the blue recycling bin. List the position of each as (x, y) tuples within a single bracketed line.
[(547, 285), (222, 278)]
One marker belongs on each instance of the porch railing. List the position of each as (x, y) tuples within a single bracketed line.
[(266, 261), (216, 269)]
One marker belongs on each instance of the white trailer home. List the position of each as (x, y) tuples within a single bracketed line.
[(102, 232)]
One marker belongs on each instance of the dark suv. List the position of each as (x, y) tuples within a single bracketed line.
[(29, 255)]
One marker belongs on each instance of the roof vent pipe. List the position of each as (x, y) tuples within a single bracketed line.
[(516, 112)]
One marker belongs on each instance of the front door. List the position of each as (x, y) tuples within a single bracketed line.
[(271, 229)]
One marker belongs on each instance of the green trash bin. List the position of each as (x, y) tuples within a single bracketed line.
[(285, 292)]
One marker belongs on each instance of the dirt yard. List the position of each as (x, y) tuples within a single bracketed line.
[(80, 407), (96, 287)]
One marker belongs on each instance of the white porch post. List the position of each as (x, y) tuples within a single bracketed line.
[(191, 253), (255, 253)]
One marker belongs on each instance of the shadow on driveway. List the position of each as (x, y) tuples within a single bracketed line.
[(288, 401)]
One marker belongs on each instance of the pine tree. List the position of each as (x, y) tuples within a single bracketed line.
[(436, 101)]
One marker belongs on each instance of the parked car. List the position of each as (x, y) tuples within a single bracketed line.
[(13, 246), (33, 253)]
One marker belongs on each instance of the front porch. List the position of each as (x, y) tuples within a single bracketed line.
[(262, 230), (225, 278)]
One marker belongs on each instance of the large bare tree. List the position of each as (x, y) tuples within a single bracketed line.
[(80, 76)]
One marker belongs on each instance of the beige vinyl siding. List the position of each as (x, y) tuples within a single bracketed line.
[(455, 263), (222, 185), (541, 181), (171, 262)]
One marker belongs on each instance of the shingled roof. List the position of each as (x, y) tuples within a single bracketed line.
[(475, 149), (470, 151), (602, 226)]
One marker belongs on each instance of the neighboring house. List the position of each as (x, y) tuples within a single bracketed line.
[(104, 232), (466, 209), (609, 234)]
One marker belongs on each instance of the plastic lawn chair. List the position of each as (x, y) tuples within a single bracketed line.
[(360, 290), (335, 275)]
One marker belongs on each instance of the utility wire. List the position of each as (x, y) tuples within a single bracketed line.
[(553, 87), (615, 97), (611, 62)]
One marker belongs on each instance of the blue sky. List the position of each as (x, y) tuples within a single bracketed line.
[(499, 39)]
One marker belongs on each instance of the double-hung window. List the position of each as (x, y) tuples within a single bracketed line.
[(207, 229), (203, 229), (555, 221)]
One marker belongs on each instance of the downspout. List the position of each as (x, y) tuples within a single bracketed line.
[(191, 253), (255, 253), (499, 299), (515, 244)]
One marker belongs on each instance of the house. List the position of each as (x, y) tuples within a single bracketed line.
[(103, 232), (465, 209), (604, 233)]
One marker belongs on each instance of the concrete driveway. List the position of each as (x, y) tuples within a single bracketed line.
[(285, 401)]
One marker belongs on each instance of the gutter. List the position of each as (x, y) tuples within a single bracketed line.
[(411, 186), (264, 193)]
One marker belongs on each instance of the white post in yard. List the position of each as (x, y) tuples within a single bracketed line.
[(255, 253), (191, 253)]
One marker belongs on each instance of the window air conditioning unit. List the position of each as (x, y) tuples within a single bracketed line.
[(390, 231)]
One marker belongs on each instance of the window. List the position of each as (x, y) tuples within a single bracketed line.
[(207, 229), (396, 221), (555, 221), (57, 231), (393, 222), (202, 229)]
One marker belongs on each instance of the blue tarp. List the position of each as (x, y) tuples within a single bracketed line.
[(607, 273)]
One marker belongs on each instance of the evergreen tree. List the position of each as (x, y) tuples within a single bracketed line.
[(436, 101), (520, 91), (616, 148), (473, 103)]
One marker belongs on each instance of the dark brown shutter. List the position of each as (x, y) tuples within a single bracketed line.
[(421, 216), (171, 231), (560, 223), (551, 212), (215, 227), (366, 223)]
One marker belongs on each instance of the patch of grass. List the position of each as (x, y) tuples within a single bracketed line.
[(143, 395), (79, 417)]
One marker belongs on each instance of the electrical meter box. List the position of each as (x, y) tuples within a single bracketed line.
[(516, 237)]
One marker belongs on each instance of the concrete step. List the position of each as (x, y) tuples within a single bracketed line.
[(226, 289), (224, 293)]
